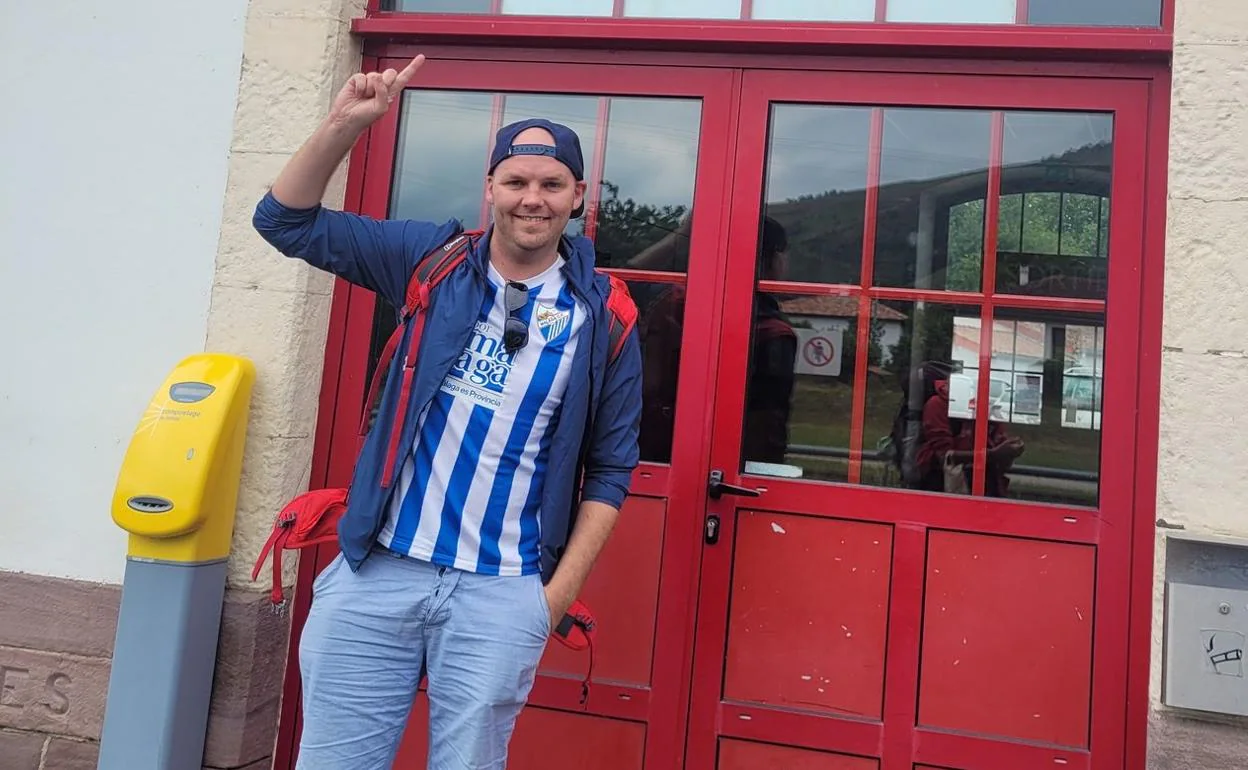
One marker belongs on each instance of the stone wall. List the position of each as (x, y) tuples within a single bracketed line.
[(1203, 459)]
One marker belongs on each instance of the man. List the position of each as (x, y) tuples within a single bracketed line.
[(459, 567)]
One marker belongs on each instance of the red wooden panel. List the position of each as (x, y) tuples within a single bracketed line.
[(1007, 637), (583, 741), (809, 613), (944, 750), (623, 592), (546, 739), (746, 755)]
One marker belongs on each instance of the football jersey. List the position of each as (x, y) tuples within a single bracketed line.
[(469, 492)]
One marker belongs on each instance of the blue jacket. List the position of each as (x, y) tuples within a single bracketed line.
[(595, 440)]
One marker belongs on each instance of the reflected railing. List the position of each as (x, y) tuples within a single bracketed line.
[(883, 455)]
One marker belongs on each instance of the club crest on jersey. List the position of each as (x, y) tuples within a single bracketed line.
[(551, 321)]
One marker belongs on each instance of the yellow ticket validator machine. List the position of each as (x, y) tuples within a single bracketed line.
[(175, 495)]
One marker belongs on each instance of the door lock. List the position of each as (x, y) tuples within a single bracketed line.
[(717, 488), (712, 529)]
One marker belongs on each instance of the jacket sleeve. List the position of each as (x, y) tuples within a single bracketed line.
[(376, 254), (613, 451)]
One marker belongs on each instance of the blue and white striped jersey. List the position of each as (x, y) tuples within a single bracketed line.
[(469, 492)]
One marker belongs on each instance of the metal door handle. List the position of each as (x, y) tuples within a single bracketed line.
[(717, 488)]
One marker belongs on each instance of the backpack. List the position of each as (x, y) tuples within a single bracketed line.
[(312, 518)]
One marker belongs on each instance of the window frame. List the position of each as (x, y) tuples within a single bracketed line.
[(1018, 40)]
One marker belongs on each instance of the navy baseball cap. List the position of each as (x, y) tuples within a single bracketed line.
[(566, 150)]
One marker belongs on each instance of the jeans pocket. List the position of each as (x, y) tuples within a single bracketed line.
[(544, 605), (318, 584)]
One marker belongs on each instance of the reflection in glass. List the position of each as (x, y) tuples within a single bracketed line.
[(932, 160), (1055, 185), (559, 7), (956, 12), (651, 160), (660, 327), (684, 9), (448, 183), (1043, 404), (814, 10), (816, 188), (920, 400), (800, 383), (1108, 13)]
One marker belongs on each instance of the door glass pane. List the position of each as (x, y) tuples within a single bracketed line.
[(559, 7), (1125, 13), (1050, 367), (815, 10), (1044, 403), (931, 161), (1055, 194), (816, 188), (449, 183), (920, 403), (660, 327), (684, 9), (799, 392), (643, 220), (955, 12)]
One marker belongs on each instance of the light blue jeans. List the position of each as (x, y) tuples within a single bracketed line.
[(371, 636)]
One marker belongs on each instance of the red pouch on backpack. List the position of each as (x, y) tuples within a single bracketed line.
[(310, 519)]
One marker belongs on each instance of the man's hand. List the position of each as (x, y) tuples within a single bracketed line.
[(593, 526), (1008, 450), (559, 600), (366, 97), (361, 101)]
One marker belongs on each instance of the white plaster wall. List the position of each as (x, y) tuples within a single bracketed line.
[(1203, 458), (115, 119)]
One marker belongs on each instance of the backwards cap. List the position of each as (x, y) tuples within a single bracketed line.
[(566, 150)]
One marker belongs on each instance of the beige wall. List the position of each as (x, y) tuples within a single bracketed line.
[(274, 310), (1203, 459)]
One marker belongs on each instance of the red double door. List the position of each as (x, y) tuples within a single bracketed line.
[(838, 272)]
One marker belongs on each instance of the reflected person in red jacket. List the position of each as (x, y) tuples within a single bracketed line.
[(944, 437)]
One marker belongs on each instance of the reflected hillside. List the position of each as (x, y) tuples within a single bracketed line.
[(929, 232)]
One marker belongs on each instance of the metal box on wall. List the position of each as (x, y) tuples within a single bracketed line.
[(1206, 625)]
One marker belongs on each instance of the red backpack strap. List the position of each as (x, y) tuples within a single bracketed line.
[(429, 272), (623, 315), (435, 265)]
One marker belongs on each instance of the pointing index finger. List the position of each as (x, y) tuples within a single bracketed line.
[(409, 72)]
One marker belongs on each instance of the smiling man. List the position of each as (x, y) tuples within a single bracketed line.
[(516, 445)]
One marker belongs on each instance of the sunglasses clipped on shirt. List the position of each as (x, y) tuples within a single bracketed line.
[(515, 330)]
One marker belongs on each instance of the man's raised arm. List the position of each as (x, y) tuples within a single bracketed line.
[(376, 254)]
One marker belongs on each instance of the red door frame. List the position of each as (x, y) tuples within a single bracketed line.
[(913, 514), (346, 350)]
